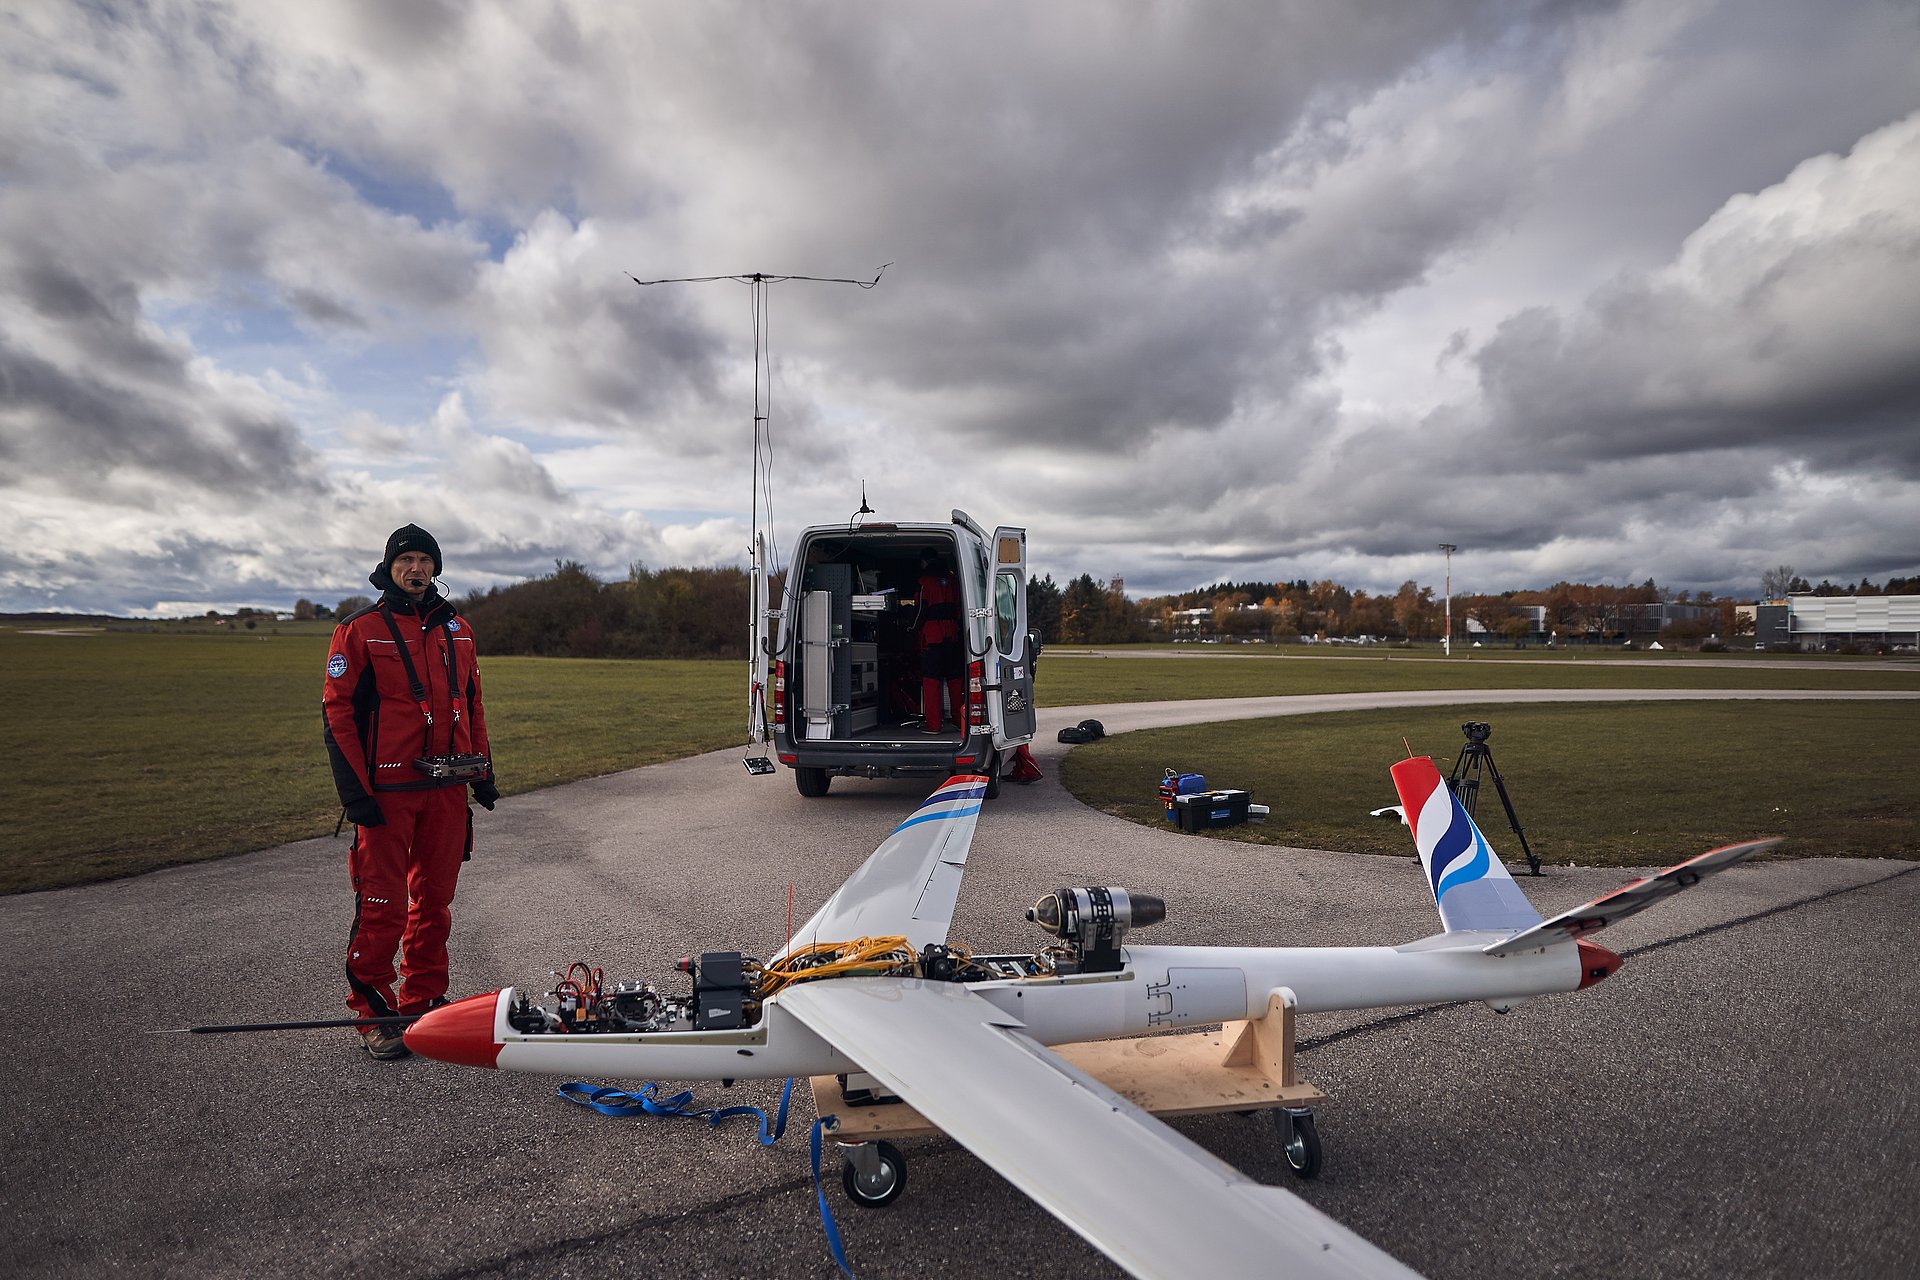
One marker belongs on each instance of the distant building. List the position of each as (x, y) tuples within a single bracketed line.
[(1819, 622), (1190, 624), (1641, 623), (1646, 621), (1493, 627)]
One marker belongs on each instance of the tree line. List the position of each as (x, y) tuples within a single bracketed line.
[(702, 612), (569, 613), (651, 613)]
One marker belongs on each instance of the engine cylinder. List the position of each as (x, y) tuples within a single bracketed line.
[(1094, 921)]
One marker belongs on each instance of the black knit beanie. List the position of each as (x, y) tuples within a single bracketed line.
[(411, 538)]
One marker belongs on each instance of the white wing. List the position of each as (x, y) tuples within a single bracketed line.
[(1133, 1188), (910, 883)]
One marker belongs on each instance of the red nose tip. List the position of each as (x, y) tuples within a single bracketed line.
[(1596, 964), (460, 1032)]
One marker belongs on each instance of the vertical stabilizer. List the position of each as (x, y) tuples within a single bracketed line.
[(1470, 886)]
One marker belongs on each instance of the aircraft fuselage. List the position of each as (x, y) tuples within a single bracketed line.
[(1157, 989)]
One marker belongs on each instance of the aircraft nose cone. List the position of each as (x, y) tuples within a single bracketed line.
[(460, 1032)]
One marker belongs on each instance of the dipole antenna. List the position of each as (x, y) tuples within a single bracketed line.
[(757, 282)]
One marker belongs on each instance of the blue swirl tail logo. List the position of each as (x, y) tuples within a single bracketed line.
[(1460, 855)]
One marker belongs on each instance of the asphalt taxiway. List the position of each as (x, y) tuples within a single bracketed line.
[(1739, 1100)]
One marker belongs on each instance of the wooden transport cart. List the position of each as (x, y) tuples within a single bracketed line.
[(1242, 1067)]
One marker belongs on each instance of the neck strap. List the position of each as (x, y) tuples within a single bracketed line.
[(414, 685)]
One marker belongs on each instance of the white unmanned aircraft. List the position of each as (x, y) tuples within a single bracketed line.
[(870, 984)]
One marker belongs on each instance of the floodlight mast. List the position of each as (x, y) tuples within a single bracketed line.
[(1446, 639)]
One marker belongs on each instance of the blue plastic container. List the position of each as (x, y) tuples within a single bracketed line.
[(1179, 784)]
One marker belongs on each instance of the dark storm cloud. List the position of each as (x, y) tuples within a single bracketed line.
[(321, 309), (128, 402), (1790, 322), (74, 431), (101, 318), (1052, 185), (571, 339), (1193, 291)]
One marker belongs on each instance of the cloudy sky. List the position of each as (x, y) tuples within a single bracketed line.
[(1599, 291)]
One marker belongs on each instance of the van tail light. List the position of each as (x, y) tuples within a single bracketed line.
[(976, 695), (779, 694)]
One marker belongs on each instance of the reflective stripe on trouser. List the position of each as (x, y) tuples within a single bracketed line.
[(403, 880)]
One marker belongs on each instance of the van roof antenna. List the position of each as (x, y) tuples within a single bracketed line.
[(864, 510), (757, 282)]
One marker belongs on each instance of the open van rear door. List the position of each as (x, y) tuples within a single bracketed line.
[(1010, 634)]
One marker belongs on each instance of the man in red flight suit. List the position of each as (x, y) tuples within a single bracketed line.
[(941, 661), (401, 709)]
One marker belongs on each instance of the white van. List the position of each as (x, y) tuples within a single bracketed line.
[(845, 689)]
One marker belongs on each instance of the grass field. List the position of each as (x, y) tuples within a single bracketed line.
[(127, 751), (1069, 679), (1620, 784)]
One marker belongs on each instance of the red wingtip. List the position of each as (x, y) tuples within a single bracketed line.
[(1597, 964), (460, 1032)]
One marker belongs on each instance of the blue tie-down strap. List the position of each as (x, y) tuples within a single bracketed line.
[(646, 1101), (827, 1224)]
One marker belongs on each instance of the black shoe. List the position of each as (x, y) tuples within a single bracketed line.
[(385, 1042)]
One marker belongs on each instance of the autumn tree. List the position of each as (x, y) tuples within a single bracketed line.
[(1415, 611)]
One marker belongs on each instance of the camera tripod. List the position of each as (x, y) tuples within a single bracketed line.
[(1464, 782)]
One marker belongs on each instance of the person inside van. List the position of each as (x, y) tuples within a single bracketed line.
[(936, 624)]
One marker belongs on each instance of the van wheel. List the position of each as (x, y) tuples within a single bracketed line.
[(993, 777), (812, 782)]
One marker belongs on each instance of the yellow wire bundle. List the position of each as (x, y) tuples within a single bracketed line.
[(868, 957)]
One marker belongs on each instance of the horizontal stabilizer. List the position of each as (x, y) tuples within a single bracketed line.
[(1629, 900)]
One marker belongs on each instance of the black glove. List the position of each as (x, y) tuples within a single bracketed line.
[(486, 793), (365, 812)]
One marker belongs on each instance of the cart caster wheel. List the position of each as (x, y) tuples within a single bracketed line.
[(1300, 1140), (886, 1179)]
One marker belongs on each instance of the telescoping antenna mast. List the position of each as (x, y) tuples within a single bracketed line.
[(756, 759)]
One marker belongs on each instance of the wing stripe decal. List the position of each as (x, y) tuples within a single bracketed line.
[(909, 884), (929, 815)]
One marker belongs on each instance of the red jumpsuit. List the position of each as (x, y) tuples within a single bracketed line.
[(940, 656), (405, 869)]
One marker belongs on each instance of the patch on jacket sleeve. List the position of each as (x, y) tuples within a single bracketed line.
[(337, 665)]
